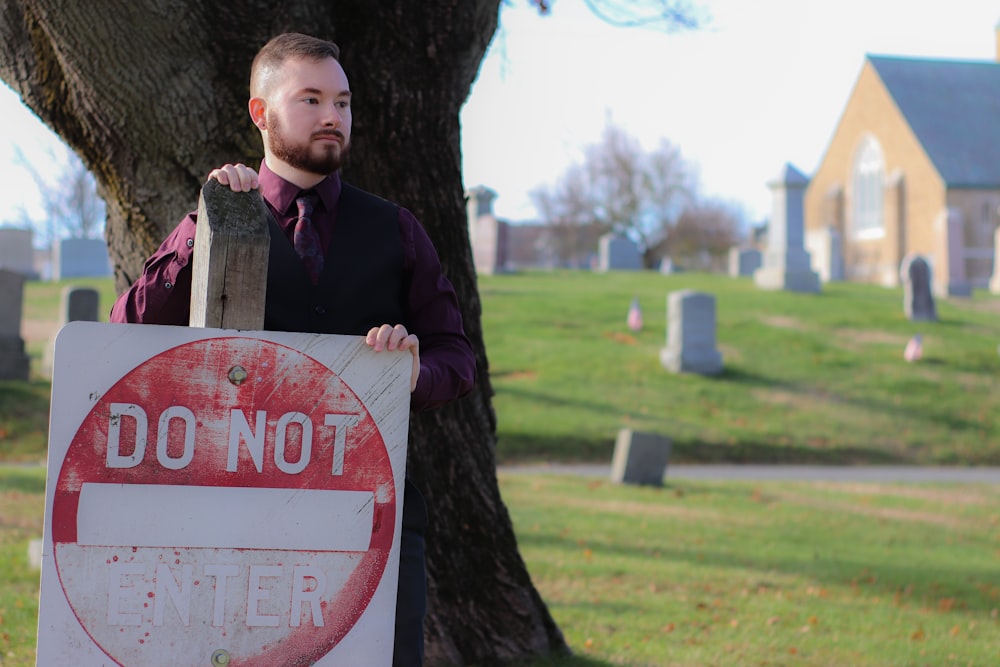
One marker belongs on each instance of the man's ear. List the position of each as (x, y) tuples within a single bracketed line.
[(258, 112)]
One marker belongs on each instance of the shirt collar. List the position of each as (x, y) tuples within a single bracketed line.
[(281, 194)]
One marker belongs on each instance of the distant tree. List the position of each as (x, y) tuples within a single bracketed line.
[(617, 187), (71, 205), (702, 235)]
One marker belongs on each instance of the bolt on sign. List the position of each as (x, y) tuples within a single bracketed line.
[(220, 498)]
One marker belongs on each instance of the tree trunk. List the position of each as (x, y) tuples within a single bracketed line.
[(153, 95)]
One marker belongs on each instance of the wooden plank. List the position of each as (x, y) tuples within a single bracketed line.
[(229, 271)]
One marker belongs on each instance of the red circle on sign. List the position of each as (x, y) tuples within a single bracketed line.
[(211, 379)]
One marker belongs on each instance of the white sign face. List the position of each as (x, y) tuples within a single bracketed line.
[(217, 497)]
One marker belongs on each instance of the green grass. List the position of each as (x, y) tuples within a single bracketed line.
[(703, 574), (818, 574), (700, 574), (22, 500), (24, 406), (808, 378)]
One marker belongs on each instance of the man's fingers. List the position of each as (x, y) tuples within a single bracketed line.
[(388, 337), (239, 177)]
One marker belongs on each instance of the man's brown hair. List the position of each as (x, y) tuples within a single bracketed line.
[(284, 47)]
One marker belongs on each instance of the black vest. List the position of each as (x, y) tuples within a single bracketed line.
[(362, 281)]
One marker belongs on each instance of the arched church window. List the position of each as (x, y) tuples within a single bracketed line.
[(867, 178)]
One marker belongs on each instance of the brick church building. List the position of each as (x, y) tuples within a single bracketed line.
[(913, 167)]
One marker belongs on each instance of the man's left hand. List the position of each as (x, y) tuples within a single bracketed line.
[(392, 338)]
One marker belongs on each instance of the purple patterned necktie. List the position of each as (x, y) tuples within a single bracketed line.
[(305, 239)]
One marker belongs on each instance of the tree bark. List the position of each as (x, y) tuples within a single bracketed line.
[(153, 95)]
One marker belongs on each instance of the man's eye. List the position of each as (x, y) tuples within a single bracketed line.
[(343, 104), (311, 100)]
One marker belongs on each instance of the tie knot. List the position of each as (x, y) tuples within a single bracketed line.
[(306, 201)]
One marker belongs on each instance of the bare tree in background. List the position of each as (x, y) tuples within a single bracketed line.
[(68, 195), (702, 236), (618, 187)]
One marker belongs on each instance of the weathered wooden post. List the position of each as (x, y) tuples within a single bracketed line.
[(229, 273)]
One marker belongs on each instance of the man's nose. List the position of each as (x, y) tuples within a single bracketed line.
[(331, 116)]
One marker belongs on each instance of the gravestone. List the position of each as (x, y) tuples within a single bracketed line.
[(691, 334), (954, 232), (826, 251), (786, 263), (918, 299), (81, 258), (489, 237), (16, 252), (743, 261), (640, 458), (617, 253), (14, 363), (77, 304), (995, 279)]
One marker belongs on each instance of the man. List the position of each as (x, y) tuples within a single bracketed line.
[(341, 261)]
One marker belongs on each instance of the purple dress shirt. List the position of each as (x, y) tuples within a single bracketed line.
[(162, 294)]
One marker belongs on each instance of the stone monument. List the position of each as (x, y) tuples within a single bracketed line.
[(743, 261), (618, 253), (918, 297), (691, 334), (640, 458), (786, 263), (14, 363)]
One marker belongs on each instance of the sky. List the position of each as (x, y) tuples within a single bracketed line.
[(762, 84)]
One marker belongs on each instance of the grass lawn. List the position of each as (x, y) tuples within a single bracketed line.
[(702, 574), (808, 378), (697, 574)]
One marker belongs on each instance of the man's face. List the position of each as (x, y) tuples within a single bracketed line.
[(309, 115)]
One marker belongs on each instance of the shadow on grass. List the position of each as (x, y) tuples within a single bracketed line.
[(944, 416), (529, 448), (565, 661), (917, 584), (22, 479), (541, 398)]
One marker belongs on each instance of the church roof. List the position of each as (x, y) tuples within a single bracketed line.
[(953, 108)]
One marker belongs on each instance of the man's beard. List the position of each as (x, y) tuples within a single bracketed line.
[(322, 159)]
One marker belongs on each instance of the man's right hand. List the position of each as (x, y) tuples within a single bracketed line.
[(239, 177)]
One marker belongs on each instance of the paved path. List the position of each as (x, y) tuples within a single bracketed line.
[(804, 473)]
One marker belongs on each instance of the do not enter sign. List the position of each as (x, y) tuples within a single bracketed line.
[(221, 498)]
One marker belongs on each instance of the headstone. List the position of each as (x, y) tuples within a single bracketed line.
[(618, 253), (79, 304), (957, 281), (918, 300), (640, 458), (667, 267), (488, 236), (16, 251), (489, 245), (81, 258), (786, 263), (14, 362), (691, 334), (995, 279), (826, 251), (743, 261)]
